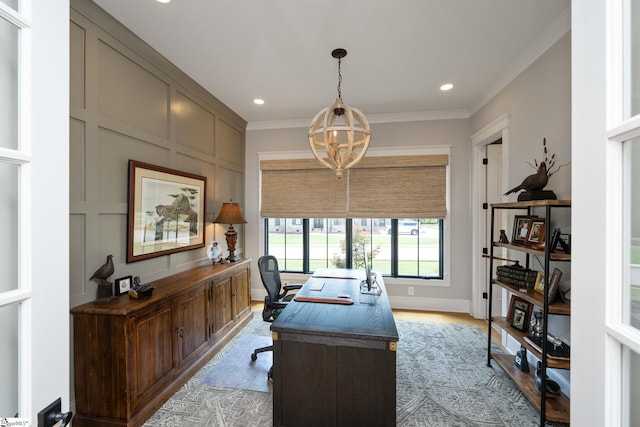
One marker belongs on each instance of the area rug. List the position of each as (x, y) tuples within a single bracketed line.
[(237, 370), (442, 380)]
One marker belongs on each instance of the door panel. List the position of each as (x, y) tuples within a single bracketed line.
[(241, 294), (192, 323), (152, 335), (222, 310)]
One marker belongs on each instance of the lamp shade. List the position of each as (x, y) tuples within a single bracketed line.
[(230, 213)]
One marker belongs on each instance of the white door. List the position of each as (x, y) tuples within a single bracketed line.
[(34, 301), (488, 183), (494, 194)]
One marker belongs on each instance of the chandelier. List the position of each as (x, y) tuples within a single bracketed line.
[(339, 135)]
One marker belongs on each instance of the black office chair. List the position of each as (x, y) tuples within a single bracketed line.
[(276, 299)]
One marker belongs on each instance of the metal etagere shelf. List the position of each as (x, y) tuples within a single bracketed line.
[(556, 408)]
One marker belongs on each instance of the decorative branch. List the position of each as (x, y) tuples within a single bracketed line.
[(550, 162)]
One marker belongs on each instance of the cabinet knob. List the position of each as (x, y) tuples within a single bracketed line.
[(180, 331)]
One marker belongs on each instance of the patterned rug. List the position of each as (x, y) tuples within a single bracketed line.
[(442, 380)]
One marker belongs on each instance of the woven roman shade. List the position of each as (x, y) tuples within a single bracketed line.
[(301, 188), (377, 187), (399, 187)]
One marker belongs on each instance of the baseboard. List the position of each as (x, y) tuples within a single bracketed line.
[(406, 303), (430, 304)]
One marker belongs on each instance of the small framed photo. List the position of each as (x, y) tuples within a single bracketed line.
[(521, 227), (122, 285), (536, 232), (519, 313), (555, 239), (539, 285), (554, 284), (519, 319)]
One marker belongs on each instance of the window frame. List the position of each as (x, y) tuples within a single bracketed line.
[(621, 128), (348, 234)]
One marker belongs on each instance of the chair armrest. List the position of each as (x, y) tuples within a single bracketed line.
[(292, 287), (277, 305)]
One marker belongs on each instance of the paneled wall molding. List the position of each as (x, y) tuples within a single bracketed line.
[(117, 31), (129, 102)]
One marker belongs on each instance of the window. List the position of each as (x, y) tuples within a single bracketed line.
[(623, 276), (15, 292), (405, 247)]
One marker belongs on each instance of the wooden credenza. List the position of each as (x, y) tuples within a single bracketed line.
[(131, 355)]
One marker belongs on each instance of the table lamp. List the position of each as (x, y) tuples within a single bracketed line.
[(230, 213)]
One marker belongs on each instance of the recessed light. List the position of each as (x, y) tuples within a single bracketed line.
[(445, 87), (164, 1), (258, 101)]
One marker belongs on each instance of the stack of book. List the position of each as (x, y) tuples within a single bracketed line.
[(517, 275)]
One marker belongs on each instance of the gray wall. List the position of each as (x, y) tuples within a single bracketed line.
[(454, 132), (128, 102), (538, 102)]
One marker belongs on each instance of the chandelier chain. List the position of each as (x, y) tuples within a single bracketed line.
[(339, 78)]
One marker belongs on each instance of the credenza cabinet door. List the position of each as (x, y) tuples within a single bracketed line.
[(191, 323), (152, 350), (222, 310), (241, 301)]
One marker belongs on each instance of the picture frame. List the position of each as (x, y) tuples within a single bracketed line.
[(555, 239), (519, 319), (536, 232), (521, 227), (122, 285), (519, 313), (165, 212), (554, 284), (539, 285)]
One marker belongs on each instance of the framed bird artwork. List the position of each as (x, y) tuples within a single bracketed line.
[(166, 211)]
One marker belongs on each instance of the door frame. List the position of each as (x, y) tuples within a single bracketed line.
[(497, 129)]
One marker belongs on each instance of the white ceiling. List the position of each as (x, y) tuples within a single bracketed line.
[(399, 52)]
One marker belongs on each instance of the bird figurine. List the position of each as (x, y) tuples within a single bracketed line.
[(104, 271), (537, 181)]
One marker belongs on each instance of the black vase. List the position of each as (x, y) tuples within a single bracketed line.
[(553, 389)]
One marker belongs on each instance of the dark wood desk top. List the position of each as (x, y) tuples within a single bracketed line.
[(369, 317)]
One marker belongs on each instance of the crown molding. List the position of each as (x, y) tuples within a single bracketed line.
[(372, 118)]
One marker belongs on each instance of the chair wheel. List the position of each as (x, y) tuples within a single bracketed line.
[(254, 357)]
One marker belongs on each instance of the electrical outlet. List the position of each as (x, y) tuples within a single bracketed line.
[(411, 290)]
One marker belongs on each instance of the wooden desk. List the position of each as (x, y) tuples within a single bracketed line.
[(335, 364)]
